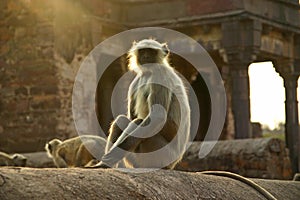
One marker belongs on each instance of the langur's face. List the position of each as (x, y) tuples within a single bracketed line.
[(147, 51), (147, 55), (50, 148), (19, 160)]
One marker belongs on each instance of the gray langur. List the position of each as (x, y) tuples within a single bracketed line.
[(73, 152), (12, 160), (156, 129), (296, 177)]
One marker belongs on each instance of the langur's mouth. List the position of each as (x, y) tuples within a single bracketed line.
[(147, 61)]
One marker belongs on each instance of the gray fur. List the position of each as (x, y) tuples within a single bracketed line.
[(156, 99)]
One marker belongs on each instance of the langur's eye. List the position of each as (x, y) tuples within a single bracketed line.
[(49, 147), (147, 51)]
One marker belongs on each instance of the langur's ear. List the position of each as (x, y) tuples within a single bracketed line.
[(132, 49), (165, 49), (134, 43)]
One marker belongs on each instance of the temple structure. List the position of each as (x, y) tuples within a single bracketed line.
[(43, 43), (235, 33)]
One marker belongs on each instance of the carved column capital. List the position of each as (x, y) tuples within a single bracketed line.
[(287, 68), (241, 59), (241, 41), (235, 58)]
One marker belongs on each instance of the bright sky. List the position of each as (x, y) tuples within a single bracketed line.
[(267, 94)]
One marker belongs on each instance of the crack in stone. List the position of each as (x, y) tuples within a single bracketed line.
[(2, 180)]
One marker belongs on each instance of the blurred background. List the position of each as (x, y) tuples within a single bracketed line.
[(254, 43)]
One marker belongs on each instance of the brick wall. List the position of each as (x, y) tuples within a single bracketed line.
[(28, 80), (42, 44)]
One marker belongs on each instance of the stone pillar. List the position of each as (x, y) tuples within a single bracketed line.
[(292, 137), (241, 43), (291, 119), (228, 130), (240, 100)]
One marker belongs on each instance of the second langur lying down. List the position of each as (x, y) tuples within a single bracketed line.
[(74, 152), (12, 160)]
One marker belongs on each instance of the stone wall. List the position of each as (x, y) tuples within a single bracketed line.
[(256, 158), (42, 44), (29, 94)]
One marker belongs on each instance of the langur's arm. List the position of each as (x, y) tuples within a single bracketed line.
[(134, 134)]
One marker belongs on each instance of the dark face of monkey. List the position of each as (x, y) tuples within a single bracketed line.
[(19, 161), (147, 55), (50, 148)]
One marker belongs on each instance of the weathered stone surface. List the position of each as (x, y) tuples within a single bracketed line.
[(257, 158), (28, 183)]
